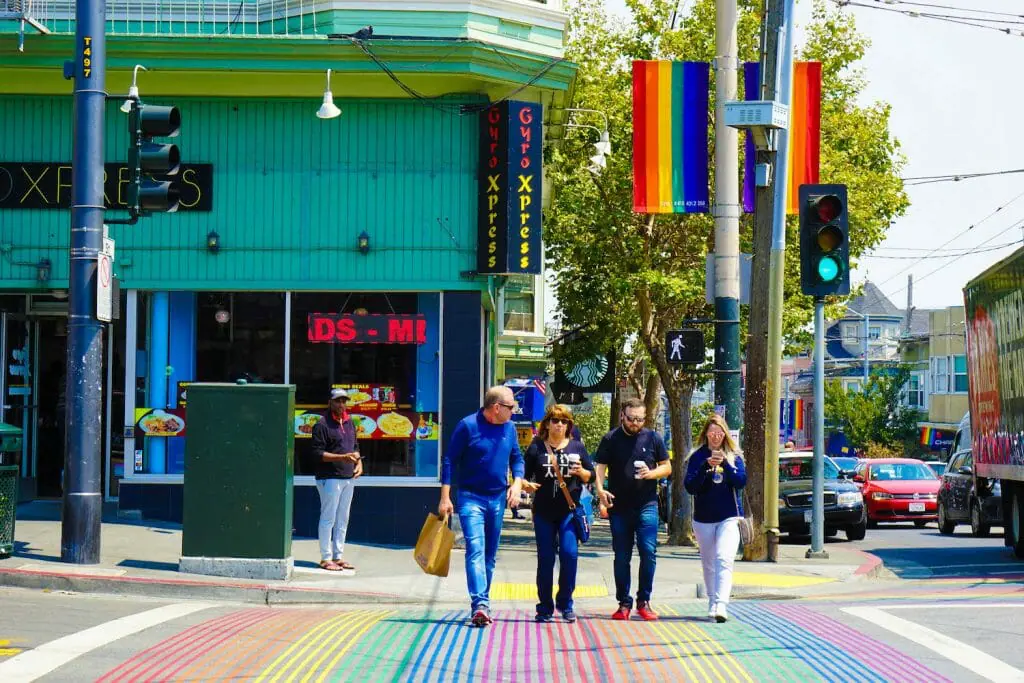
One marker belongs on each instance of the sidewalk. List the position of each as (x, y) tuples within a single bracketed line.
[(141, 558)]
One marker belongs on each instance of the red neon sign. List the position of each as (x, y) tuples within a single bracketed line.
[(337, 328)]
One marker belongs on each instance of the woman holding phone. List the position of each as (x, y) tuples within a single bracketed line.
[(715, 475), (552, 458)]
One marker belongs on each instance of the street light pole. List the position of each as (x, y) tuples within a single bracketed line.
[(82, 502), (817, 549)]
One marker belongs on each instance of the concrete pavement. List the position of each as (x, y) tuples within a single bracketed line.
[(141, 558)]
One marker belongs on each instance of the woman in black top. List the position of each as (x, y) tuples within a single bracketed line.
[(552, 518)]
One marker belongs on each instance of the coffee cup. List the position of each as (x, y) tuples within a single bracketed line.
[(573, 459), (637, 464)]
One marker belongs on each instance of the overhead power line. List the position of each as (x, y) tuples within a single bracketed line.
[(1006, 26), (957, 177), (959, 254)]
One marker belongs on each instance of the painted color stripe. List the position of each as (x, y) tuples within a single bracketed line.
[(804, 129), (33, 664), (424, 643), (639, 135), (751, 91), (285, 660), (694, 119), (263, 645), (969, 657), (652, 154), (666, 121), (353, 638), (889, 662), (344, 632), (677, 151)]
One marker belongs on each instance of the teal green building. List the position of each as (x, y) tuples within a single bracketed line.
[(315, 252)]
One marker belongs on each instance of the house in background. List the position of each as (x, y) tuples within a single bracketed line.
[(938, 385)]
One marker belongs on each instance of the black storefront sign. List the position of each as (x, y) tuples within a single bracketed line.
[(595, 375), (47, 185), (509, 222)]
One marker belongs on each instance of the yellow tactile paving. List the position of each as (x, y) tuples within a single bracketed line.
[(528, 591), (778, 580)]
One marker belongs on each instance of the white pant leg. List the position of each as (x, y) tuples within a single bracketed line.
[(726, 546), (706, 542), (348, 487), (330, 493)]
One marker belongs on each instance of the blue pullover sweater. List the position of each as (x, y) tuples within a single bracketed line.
[(482, 453), (713, 503)]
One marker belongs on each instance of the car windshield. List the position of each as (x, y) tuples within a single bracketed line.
[(792, 469), (901, 472), (846, 463)]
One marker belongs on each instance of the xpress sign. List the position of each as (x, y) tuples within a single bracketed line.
[(509, 223)]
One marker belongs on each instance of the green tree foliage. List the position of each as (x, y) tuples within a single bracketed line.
[(873, 416), (594, 425), (630, 278)]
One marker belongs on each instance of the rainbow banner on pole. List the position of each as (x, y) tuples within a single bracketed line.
[(751, 91), (670, 137), (804, 129)]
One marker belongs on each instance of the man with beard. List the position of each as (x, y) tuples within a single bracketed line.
[(634, 459)]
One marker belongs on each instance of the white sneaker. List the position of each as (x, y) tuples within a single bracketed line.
[(720, 614), (711, 613)]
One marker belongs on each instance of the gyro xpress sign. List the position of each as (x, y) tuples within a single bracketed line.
[(509, 223)]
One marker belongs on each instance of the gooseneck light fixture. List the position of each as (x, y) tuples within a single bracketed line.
[(328, 110), (133, 92), (603, 146)]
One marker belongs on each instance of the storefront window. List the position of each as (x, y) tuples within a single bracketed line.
[(519, 312), (240, 336), (382, 349)]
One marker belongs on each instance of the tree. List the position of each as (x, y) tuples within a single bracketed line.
[(594, 425), (873, 415), (624, 276)]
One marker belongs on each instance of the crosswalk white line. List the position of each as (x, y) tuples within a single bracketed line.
[(35, 663), (967, 656)]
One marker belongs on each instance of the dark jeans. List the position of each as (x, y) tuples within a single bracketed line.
[(552, 537), (641, 524)]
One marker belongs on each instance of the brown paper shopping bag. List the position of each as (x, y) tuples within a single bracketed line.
[(434, 546)]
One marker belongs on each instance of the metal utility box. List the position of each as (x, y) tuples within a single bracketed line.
[(10, 444), (10, 454), (237, 507)]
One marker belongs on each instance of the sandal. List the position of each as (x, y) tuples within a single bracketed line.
[(330, 565), (344, 565)]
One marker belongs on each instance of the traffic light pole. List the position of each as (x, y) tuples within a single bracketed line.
[(727, 220), (83, 500), (817, 549)]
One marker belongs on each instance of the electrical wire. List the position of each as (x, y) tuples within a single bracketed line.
[(942, 256), (954, 8), (957, 177), (949, 18), (956, 236)]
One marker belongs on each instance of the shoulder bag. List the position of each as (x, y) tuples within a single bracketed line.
[(579, 515), (745, 524)]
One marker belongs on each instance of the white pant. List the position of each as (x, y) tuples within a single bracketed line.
[(335, 502), (718, 544)]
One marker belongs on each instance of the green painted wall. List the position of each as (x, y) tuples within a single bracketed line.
[(291, 194)]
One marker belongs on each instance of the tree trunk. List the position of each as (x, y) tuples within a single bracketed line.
[(652, 399), (680, 526)]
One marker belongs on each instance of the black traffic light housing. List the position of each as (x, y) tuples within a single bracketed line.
[(153, 165), (824, 240)]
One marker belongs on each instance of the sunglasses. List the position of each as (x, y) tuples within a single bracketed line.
[(559, 421), (510, 406), (637, 420)]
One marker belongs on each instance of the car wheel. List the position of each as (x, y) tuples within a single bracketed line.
[(919, 523), (829, 531), (978, 528), (945, 526), (858, 531)]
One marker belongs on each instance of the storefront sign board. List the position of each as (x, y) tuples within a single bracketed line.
[(340, 328), (376, 424)]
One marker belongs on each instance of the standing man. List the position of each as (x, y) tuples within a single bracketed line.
[(634, 459), (483, 448), (338, 465)]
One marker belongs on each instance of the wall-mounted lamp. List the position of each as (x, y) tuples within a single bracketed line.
[(43, 270), (364, 243), (603, 146), (212, 242), (133, 92), (327, 110)]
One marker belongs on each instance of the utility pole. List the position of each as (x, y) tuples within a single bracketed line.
[(83, 501), (727, 220)]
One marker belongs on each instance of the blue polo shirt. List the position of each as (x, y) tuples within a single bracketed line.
[(481, 453)]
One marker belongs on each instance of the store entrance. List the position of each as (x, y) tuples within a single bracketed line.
[(51, 411)]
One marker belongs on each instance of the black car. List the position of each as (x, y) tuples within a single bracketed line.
[(844, 504), (964, 498)]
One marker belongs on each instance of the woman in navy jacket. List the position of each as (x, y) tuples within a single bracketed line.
[(715, 475)]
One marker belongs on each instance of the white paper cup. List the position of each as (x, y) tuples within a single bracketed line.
[(573, 459), (637, 464)]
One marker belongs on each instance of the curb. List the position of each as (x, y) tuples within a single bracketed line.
[(870, 568)]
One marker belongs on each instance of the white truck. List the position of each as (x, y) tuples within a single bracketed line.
[(994, 302)]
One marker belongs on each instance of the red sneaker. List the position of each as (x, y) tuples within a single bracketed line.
[(645, 612), (621, 614)]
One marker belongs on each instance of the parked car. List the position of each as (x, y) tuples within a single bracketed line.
[(966, 498), (846, 463), (898, 490), (844, 505), (938, 467)]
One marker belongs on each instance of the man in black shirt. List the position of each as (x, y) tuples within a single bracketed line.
[(338, 465), (634, 459)]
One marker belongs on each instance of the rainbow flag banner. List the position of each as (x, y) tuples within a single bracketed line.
[(670, 137), (751, 91), (804, 129)]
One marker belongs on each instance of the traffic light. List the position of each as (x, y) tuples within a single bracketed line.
[(824, 240), (153, 165)]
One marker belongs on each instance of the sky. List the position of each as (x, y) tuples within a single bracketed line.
[(956, 106)]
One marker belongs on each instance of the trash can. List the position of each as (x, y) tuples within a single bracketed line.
[(10, 454)]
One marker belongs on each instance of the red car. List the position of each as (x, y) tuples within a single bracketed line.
[(898, 490)]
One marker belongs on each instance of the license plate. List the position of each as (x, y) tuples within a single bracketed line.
[(917, 507), (807, 516)]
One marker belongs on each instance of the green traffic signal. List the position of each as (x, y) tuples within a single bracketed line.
[(824, 240), (828, 269)]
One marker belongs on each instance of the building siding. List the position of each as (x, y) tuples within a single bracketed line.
[(291, 195)]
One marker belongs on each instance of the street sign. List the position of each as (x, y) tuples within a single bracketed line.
[(104, 282), (684, 346)]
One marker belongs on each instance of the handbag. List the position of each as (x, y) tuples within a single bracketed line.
[(745, 524), (579, 515), (434, 546)]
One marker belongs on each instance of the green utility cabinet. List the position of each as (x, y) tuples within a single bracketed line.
[(237, 508), (10, 454)]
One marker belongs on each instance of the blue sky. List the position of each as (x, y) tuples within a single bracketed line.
[(956, 103)]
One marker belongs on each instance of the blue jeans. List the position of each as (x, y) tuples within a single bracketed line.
[(552, 536), (480, 517), (641, 524)]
